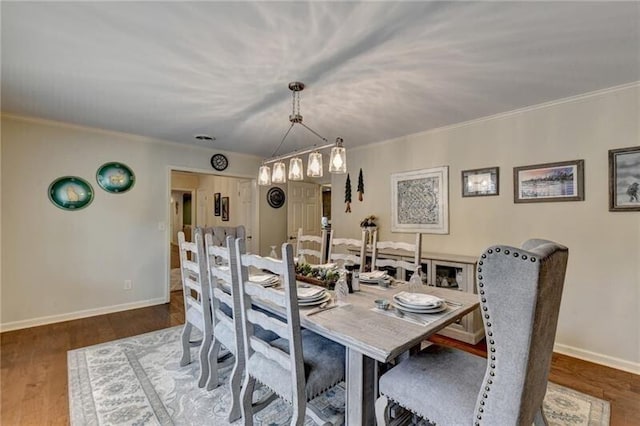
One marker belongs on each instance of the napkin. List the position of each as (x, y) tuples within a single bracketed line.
[(418, 299), (310, 292), (263, 278), (373, 275)]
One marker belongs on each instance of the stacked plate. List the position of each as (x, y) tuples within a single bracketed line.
[(374, 277), (265, 280), (419, 303), (311, 295)]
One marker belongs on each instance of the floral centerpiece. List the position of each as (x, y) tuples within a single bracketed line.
[(369, 222), (319, 275)]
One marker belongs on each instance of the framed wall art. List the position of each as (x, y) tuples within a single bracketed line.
[(562, 181), (216, 204), (624, 179), (481, 182), (420, 201), (115, 177), (70, 193), (224, 208)]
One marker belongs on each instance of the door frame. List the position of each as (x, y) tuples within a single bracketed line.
[(166, 225)]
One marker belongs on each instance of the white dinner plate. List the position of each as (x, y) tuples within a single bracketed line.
[(325, 298), (373, 282), (423, 310), (313, 298)]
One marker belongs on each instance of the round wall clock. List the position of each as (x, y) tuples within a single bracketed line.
[(70, 193), (275, 197), (115, 177), (219, 162)]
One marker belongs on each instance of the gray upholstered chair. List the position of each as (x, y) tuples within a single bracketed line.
[(298, 366), (520, 291), (197, 311)]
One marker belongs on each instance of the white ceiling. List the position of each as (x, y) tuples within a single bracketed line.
[(373, 71)]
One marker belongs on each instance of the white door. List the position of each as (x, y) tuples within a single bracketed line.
[(247, 217), (304, 209), (201, 206)]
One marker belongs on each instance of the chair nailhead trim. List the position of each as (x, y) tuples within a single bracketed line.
[(479, 276), (489, 251), (481, 410), (480, 285), (483, 300), (484, 308), (486, 316), (481, 263), (515, 255), (507, 252), (533, 259), (484, 256), (498, 250), (479, 269), (481, 291), (488, 324)]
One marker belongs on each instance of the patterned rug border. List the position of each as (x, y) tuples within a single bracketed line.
[(83, 410)]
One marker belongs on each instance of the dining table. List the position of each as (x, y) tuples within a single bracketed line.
[(371, 335)]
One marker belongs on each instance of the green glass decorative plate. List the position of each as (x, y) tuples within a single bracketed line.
[(70, 193), (115, 177)]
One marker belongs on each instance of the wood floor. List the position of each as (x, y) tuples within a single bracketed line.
[(33, 384)]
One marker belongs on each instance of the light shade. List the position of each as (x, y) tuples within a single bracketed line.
[(279, 173), (295, 169), (338, 161), (314, 166), (264, 175)]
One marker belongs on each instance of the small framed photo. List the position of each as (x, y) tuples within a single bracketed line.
[(563, 181), (624, 179), (481, 182), (224, 207), (216, 204)]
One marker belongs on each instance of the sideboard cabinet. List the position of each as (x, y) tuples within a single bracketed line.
[(457, 273)]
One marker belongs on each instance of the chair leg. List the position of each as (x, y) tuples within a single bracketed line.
[(246, 396), (382, 411), (540, 419), (204, 361), (235, 384), (213, 381), (186, 351)]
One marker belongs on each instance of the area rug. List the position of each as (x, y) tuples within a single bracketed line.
[(138, 381)]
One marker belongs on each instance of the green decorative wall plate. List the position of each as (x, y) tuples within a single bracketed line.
[(115, 177), (70, 193)]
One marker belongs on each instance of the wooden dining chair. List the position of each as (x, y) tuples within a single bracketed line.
[(227, 326), (298, 366), (348, 250), (197, 310), (312, 245), (401, 252), (222, 304), (520, 291)]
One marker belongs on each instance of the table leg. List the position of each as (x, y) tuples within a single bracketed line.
[(361, 389)]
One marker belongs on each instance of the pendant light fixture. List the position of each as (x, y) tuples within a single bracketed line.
[(337, 163)]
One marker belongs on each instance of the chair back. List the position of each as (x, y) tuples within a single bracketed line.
[(520, 292), (274, 360), (345, 249), (312, 245), (221, 272), (195, 283), (401, 252)]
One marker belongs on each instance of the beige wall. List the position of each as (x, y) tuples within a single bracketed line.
[(273, 222), (600, 313), (59, 265)]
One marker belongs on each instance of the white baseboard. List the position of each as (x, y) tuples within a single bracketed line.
[(609, 361), (34, 322)]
